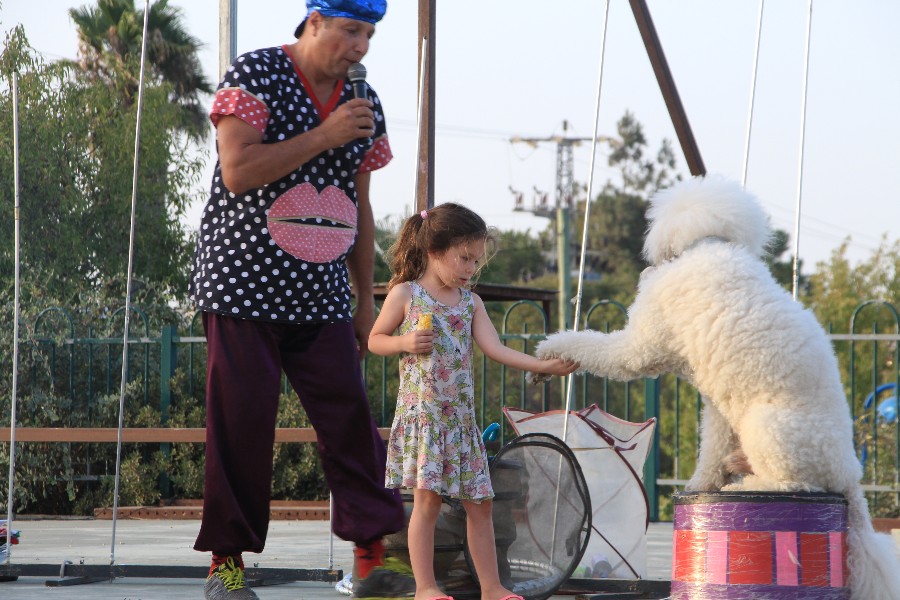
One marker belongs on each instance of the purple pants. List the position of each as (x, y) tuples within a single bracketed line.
[(244, 365)]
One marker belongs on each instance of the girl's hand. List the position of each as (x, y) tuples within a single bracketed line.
[(558, 366), (419, 341), (551, 366)]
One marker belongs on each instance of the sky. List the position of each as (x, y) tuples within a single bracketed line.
[(508, 68)]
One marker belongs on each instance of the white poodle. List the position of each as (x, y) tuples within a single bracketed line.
[(775, 416)]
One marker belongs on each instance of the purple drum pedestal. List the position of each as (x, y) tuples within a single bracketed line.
[(766, 545)]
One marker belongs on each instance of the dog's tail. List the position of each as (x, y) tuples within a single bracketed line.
[(872, 557)]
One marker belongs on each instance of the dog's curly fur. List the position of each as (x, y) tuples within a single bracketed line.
[(775, 416)]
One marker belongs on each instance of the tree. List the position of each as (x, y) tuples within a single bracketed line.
[(618, 221), (783, 270), (839, 289), (110, 37), (639, 175), (616, 231), (76, 163), (520, 257)]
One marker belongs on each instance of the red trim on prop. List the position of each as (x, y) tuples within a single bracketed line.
[(690, 556), (814, 560), (750, 557)]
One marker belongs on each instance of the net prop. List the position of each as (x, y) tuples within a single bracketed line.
[(542, 522)]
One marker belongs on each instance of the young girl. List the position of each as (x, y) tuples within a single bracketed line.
[(435, 446)]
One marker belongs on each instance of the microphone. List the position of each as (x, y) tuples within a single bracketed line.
[(357, 76)]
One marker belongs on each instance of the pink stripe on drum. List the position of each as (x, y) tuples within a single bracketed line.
[(786, 558), (836, 558), (717, 557)]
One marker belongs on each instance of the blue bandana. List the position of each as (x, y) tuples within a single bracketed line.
[(370, 11)]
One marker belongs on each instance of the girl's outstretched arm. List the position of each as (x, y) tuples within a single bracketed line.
[(487, 339), (382, 339)]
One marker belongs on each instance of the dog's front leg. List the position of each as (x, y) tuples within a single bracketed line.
[(715, 444), (624, 355)]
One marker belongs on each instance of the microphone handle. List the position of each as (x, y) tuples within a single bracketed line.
[(359, 89)]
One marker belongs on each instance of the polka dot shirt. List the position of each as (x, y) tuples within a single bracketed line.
[(278, 253)]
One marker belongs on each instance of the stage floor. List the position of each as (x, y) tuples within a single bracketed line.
[(167, 543)]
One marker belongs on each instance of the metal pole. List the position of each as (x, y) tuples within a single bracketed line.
[(587, 212), (425, 160), (15, 374), (420, 119), (134, 185), (752, 93), (227, 35), (667, 87), (796, 268), (570, 380), (331, 529)]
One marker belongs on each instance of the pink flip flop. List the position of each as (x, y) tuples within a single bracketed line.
[(512, 597)]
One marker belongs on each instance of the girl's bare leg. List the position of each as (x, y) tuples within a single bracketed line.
[(426, 507), (480, 535)]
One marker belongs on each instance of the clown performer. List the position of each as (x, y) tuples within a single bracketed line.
[(287, 227)]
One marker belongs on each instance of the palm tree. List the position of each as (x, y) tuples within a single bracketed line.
[(109, 37)]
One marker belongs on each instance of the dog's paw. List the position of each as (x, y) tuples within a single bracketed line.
[(538, 378), (702, 483), (754, 483)]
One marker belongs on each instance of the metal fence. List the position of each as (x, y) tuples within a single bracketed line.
[(167, 369)]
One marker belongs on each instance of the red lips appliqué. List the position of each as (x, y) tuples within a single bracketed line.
[(312, 226)]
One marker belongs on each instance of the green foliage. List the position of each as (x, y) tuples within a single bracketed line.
[(860, 298), (110, 37), (639, 174), (56, 478), (783, 270), (838, 287), (618, 223), (76, 149), (58, 387), (385, 234), (615, 233), (520, 257)]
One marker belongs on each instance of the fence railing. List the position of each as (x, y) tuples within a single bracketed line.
[(168, 369)]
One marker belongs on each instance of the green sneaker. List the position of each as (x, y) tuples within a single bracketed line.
[(226, 582)]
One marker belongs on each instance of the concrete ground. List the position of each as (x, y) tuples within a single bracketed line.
[(167, 543)]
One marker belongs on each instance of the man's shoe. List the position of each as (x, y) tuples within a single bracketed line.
[(226, 581), (393, 579), (345, 585)]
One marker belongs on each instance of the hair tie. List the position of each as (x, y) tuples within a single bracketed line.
[(424, 214)]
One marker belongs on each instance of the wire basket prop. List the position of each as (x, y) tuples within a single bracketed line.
[(542, 522)]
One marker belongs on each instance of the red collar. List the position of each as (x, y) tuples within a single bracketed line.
[(325, 110)]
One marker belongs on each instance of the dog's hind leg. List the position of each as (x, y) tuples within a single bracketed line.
[(780, 450), (715, 444), (737, 462)]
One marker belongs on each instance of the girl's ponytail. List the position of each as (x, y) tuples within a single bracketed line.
[(408, 254)]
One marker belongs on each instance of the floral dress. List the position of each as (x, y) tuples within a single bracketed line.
[(435, 443)]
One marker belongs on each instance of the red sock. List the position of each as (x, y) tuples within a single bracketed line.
[(367, 557), (219, 559)]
